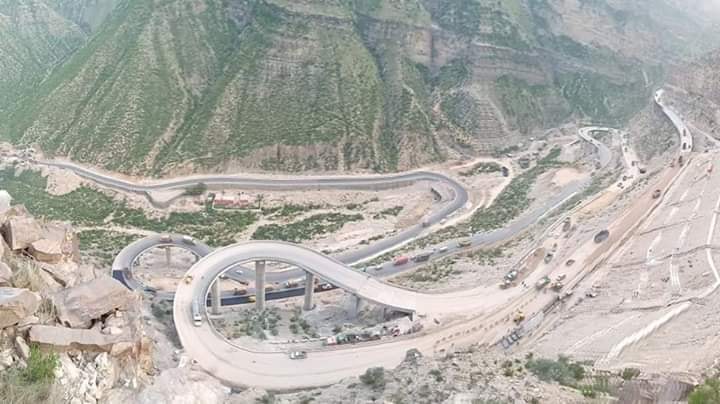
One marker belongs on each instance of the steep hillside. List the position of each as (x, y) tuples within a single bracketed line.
[(33, 38), (339, 84)]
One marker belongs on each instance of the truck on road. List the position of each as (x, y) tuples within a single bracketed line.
[(422, 257), (466, 242), (401, 260)]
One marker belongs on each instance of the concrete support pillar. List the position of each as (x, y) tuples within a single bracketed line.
[(309, 291), (357, 305), (167, 257), (215, 296), (260, 285)]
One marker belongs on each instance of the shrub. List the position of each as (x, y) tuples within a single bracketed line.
[(374, 378), (40, 366), (706, 393)]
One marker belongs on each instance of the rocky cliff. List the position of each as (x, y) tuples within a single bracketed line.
[(160, 86)]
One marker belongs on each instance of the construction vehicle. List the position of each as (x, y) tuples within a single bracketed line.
[(466, 242), (239, 292), (561, 277), (569, 262), (251, 299), (291, 283), (680, 161), (519, 316), (511, 276), (506, 283), (656, 194), (643, 170), (401, 260), (556, 286), (542, 282)]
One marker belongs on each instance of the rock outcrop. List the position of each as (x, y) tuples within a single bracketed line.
[(16, 304), (183, 386), (85, 382), (21, 231), (79, 306)]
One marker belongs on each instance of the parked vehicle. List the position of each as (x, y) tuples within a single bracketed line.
[(443, 249), (401, 260), (466, 242), (188, 240), (166, 238)]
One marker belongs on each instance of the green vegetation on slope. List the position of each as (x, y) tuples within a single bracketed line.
[(158, 87), (305, 229), (706, 393), (513, 200), (30, 385)]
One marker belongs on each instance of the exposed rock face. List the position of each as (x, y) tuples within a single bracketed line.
[(16, 304), (20, 232), (85, 383), (78, 306), (179, 386)]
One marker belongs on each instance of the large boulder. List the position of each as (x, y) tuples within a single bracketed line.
[(66, 339), (16, 304), (21, 231), (79, 306), (58, 241)]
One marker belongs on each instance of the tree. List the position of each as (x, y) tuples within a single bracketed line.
[(706, 393)]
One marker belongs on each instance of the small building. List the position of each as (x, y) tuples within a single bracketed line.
[(238, 201)]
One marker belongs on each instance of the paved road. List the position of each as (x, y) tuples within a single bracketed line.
[(237, 365), (604, 153), (686, 140), (274, 370)]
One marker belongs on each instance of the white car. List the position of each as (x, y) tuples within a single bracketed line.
[(443, 249), (298, 355), (188, 240)]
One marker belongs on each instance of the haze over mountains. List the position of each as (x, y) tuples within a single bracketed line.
[(154, 87)]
